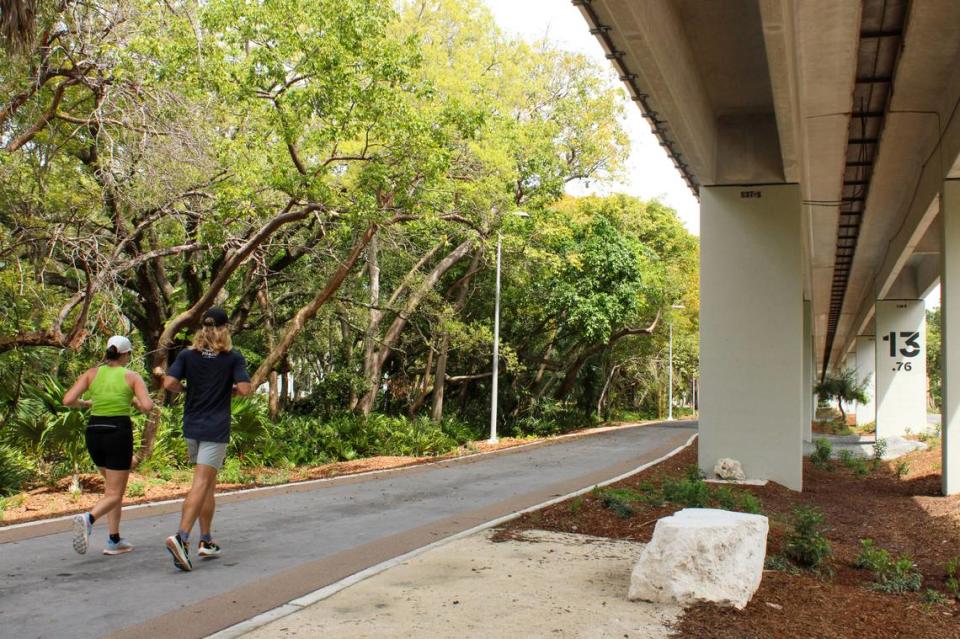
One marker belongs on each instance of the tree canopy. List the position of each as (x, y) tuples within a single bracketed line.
[(335, 174)]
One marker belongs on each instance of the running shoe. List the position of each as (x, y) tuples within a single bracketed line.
[(208, 549), (81, 533), (180, 552), (117, 548)]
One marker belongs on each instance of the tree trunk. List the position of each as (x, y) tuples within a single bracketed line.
[(296, 325), (393, 333), (440, 378), (274, 396), (373, 323), (440, 382)]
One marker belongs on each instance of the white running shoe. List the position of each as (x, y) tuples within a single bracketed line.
[(81, 533), (117, 548), (208, 549), (180, 551)]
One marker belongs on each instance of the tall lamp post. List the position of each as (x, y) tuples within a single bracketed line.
[(496, 338), (670, 382)]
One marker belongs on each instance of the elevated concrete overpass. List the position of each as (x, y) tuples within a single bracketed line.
[(823, 141)]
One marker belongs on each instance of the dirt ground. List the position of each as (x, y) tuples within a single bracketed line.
[(42, 502), (906, 516)]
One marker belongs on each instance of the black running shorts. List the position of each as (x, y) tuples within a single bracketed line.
[(110, 442)]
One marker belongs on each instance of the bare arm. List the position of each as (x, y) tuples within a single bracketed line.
[(242, 389), (172, 384), (72, 397), (141, 397)]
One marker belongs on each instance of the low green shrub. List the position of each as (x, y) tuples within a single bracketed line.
[(272, 479), (136, 489), (891, 576), (846, 458), (750, 503), (780, 564), (902, 576), (953, 576), (932, 597), (233, 472), (619, 501), (548, 417), (871, 556), (15, 470), (687, 492), (860, 468), (821, 454), (807, 544), (902, 469), (879, 450)]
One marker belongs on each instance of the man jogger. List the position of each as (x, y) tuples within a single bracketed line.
[(210, 372)]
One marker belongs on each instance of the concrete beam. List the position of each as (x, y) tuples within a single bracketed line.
[(919, 148), (812, 56), (656, 47)]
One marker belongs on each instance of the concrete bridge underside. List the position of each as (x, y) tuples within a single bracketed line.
[(823, 141)]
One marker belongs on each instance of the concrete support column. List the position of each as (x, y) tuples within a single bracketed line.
[(808, 402), (751, 331), (950, 334), (867, 370), (901, 347)]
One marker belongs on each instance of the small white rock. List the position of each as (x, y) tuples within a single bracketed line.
[(727, 468), (702, 554)]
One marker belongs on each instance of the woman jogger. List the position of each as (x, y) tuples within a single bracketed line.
[(110, 391)]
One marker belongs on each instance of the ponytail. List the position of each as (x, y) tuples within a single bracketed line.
[(112, 354)]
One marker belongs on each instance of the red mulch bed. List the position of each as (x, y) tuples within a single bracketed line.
[(906, 516)]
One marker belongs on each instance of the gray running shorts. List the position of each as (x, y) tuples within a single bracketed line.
[(206, 453)]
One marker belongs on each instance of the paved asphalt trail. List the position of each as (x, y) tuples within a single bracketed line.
[(280, 544)]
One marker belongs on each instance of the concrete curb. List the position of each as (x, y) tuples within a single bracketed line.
[(300, 603)]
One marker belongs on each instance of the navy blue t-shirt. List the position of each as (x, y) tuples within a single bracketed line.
[(209, 386)]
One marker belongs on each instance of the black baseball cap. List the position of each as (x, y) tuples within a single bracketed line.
[(215, 316)]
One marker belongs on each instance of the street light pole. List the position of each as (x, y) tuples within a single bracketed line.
[(670, 378), (496, 338), (496, 348)]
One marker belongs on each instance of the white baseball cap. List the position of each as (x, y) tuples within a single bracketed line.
[(121, 343)]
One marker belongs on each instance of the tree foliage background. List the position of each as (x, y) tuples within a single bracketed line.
[(334, 173)]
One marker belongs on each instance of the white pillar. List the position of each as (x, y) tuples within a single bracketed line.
[(867, 370), (950, 334), (807, 372), (901, 343), (751, 330)]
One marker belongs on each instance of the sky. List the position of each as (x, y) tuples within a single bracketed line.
[(649, 172)]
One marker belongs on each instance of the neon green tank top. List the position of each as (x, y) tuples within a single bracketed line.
[(109, 392)]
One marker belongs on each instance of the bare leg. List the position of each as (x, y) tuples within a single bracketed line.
[(206, 512), (204, 482), (115, 484)]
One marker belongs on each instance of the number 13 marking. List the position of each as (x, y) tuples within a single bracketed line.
[(911, 338)]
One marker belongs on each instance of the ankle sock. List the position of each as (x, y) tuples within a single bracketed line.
[(184, 537), (115, 537), (91, 518), (207, 538)]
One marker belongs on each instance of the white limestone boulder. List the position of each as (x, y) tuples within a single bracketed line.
[(731, 469), (702, 554)]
